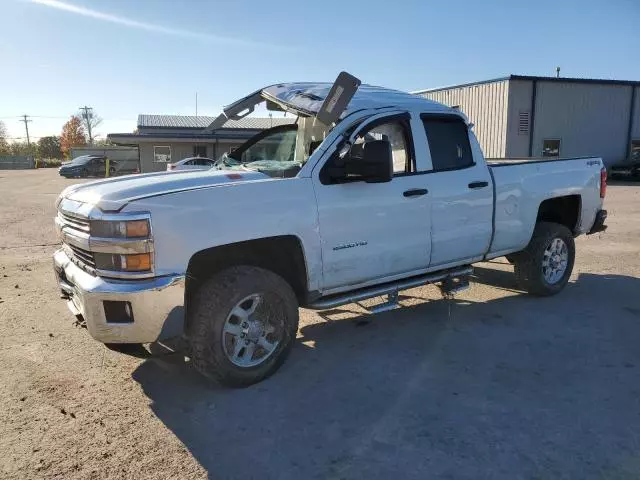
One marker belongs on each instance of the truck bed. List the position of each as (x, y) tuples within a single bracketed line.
[(522, 184), (500, 162)]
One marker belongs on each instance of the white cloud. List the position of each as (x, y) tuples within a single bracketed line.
[(151, 27)]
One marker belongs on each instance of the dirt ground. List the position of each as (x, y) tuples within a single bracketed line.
[(494, 384)]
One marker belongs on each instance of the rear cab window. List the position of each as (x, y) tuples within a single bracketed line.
[(448, 139)]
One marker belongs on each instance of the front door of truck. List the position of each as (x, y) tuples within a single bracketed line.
[(461, 192), (374, 231)]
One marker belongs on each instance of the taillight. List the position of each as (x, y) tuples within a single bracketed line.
[(170, 167), (603, 182)]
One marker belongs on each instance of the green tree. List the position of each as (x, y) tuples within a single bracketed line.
[(49, 147), (23, 149)]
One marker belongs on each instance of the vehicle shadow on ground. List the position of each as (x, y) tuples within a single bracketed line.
[(514, 387)]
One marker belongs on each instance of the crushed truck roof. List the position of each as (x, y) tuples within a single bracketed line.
[(307, 99), (310, 96)]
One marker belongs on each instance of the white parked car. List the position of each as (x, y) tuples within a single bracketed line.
[(191, 163), (364, 197)]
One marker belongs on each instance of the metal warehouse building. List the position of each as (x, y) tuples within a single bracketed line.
[(524, 116)]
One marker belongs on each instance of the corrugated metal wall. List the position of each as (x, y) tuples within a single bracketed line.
[(486, 107), (635, 130), (588, 118), (16, 162), (517, 138)]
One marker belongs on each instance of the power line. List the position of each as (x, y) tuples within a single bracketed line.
[(68, 117), (31, 136)]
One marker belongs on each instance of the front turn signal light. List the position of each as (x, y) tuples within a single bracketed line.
[(137, 228), (113, 262), (140, 262)]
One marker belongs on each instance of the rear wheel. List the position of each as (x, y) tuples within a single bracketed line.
[(242, 325), (545, 266)]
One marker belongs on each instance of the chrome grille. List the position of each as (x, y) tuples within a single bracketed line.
[(75, 222), (82, 257)]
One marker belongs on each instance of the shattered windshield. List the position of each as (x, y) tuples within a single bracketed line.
[(279, 151)]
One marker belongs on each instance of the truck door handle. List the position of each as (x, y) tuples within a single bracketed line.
[(478, 184), (416, 192)]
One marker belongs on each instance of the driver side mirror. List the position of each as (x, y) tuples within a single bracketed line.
[(371, 162)]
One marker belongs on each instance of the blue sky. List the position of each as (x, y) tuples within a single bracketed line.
[(128, 57)]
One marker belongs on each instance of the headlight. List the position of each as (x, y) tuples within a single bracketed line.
[(120, 229), (140, 262)]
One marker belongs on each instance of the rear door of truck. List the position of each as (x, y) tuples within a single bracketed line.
[(460, 191)]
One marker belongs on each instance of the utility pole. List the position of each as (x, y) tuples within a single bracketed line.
[(196, 104), (26, 126), (87, 116)]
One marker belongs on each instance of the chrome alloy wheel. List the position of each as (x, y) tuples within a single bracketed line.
[(555, 260), (249, 336)]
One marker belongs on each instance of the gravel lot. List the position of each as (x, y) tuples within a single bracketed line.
[(494, 384)]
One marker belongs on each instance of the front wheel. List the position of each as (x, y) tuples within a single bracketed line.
[(242, 325), (544, 267)]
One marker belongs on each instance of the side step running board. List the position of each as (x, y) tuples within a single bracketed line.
[(390, 289)]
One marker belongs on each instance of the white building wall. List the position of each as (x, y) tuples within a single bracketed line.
[(485, 105)]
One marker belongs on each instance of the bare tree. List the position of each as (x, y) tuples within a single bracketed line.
[(4, 141), (90, 121)]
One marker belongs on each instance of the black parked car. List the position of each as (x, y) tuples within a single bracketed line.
[(629, 169), (87, 166)]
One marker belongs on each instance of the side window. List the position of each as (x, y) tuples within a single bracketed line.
[(162, 154), (396, 133), (551, 147), (448, 143), (190, 162)]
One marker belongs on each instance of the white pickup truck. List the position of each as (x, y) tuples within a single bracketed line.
[(392, 193)]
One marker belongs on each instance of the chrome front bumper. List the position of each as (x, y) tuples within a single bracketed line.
[(157, 304)]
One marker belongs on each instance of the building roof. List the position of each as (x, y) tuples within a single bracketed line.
[(192, 122), (600, 81)]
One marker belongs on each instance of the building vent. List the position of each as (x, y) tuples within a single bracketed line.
[(523, 123)]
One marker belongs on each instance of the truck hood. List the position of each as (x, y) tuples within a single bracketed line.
[(114, 193)]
